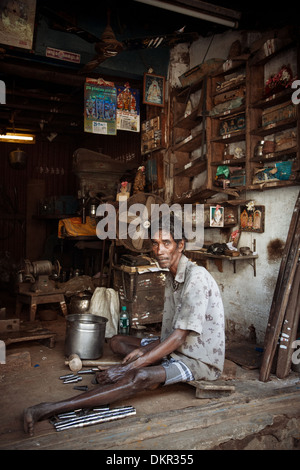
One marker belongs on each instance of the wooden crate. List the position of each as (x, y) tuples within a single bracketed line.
[(232, 124), (275, 114), (141, 292), (198, 72), (230, 95), (238, 178)]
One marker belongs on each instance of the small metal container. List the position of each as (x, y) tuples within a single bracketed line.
[(80, 303), (258, 151), (245, 251), (18, 159)]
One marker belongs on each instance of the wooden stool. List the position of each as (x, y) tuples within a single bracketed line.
[(213, 389), (36, 298)]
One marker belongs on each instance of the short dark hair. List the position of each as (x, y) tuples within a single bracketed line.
[(170, 223)]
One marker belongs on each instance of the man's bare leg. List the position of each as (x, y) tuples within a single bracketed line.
[(133, 382), (124, 344)]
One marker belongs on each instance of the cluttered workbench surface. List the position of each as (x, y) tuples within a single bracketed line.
[(249, 415)]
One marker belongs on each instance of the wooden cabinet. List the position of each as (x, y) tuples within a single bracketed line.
[(142, 292)]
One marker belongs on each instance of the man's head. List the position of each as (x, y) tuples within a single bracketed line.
[(167, 242)]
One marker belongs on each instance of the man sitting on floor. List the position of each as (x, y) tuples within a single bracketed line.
[(191, 346)]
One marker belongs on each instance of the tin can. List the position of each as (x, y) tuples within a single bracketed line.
[(124, 323)]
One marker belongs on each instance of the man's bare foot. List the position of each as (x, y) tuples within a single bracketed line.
[(33, 414)]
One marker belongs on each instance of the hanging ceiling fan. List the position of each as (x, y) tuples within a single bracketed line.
[(134, 230), (107, 46)]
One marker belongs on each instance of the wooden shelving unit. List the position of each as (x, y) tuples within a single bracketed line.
[(188, 135), (286, 122), (192, 168), (228, 92), (233, 111), (254, 106)]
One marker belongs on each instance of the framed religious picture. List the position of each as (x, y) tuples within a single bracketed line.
[(154, 89), (128, 108), (252, 218), (216, 216)]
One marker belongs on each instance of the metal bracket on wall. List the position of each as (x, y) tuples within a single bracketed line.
[(250, 260)]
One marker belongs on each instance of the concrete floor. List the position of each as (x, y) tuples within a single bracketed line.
[(256, 416)]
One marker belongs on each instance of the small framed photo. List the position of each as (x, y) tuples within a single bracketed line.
[(154, 89), (216, 216)]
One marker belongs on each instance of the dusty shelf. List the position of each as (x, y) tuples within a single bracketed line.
[(218, 259), (192, 168)]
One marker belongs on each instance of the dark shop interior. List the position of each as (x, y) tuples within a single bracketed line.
[(150, 227)]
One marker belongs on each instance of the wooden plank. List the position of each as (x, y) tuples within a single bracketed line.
[(277, 324), (283, 264), (289, 330), (199, 427), (281, 294), (290, 237), (221, 385), (215, 389), (26, 334)]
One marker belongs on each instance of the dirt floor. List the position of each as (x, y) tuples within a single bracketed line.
[(255, 415)]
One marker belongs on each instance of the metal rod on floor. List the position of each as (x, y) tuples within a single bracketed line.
[(95, 418)]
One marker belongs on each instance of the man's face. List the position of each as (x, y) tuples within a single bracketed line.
[(166, 251)]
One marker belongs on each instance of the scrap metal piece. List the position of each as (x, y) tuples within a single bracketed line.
[(82, 388)]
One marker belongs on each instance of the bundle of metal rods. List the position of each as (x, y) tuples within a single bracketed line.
[(81, 418), (72, 378)]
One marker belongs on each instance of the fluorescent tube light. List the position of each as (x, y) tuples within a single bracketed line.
[(189, 12), (25, 138)]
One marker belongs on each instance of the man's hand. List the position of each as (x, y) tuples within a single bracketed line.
[(133, 355), (110, 375), (142, 357), (139, 352)]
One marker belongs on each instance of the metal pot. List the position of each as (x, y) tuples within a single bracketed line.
[(80, 303), (85, 335), (245, 251), (18, 159)]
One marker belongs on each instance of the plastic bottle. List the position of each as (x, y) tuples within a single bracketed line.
[(124, 322)]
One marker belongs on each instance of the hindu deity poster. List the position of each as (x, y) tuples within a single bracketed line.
[(128, 108), (100, 107)]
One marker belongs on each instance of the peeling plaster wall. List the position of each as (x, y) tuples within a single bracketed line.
[(179, 63), (247, 299)]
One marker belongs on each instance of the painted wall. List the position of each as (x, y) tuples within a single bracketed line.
[(247, 299)]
